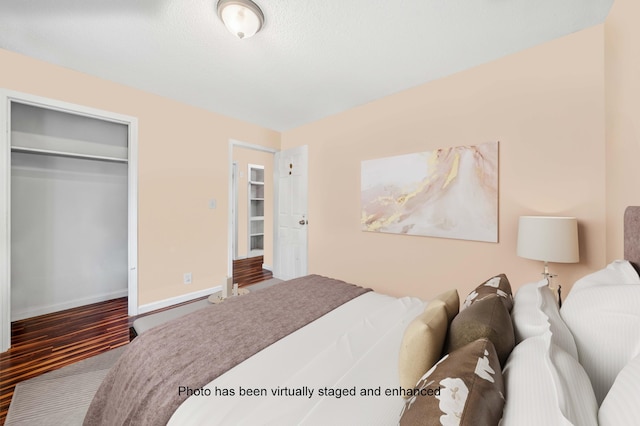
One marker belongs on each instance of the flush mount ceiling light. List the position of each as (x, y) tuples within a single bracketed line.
[(242, 17)]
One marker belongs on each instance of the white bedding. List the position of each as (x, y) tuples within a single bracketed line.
[(356, 345)]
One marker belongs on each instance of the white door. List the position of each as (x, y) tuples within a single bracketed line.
[(290, 256)]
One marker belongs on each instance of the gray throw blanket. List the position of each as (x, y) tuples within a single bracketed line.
[(142, 387)]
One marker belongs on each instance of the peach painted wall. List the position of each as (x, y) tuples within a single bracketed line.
[(183, 163), (622, 83), (546, 107), (244, 157)]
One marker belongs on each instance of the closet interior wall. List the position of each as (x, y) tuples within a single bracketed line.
[(69, 210)]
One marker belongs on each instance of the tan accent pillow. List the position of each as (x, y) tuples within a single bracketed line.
[(488, 318), (464, 388), (422, 343), (451, 300)]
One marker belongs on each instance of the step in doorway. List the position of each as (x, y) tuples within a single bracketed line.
[(250, 271)]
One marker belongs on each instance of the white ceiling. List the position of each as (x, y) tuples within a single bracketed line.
[(313, 58)]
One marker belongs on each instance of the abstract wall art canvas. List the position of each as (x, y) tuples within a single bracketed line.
[(447, 193)]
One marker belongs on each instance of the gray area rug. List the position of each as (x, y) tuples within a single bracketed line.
[(263, 284), (145, 323), (60, 397)]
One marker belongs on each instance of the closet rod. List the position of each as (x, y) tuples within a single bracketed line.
[(23, 149)]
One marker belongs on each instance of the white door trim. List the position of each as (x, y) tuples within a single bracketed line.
[(230, 227), (6, 97), (234, 207)]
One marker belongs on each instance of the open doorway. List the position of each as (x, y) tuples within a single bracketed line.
[(252, 213), (285, 221)]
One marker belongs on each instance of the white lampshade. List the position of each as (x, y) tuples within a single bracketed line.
[(549, 239), (242, 17)]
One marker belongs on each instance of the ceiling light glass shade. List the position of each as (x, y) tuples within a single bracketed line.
[(242, 17)]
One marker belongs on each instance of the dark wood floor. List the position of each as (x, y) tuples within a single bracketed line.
[(249, 271), (52, 341), (49, 342)]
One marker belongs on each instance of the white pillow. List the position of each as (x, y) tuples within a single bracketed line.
[(620, 407), (605, 323), (616, 273), (535, 311), (546, 386)]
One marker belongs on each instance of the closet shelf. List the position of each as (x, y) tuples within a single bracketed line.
[(27, 150)]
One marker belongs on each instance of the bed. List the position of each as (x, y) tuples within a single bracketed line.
[(317, 351)]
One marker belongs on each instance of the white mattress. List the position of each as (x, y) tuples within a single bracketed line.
[(356, 345)]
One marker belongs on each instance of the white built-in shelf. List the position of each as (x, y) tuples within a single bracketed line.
[(256, 209)]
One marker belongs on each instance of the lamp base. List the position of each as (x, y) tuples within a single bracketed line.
[(549, 277)]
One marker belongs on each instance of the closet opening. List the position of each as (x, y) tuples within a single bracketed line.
[(69, 209)]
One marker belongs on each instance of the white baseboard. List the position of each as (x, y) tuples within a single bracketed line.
[(149, 307), (30, 312), (267, 267)]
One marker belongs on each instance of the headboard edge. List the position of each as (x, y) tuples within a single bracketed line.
[(632, 235)]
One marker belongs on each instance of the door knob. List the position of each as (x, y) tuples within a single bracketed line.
[(303, 222)]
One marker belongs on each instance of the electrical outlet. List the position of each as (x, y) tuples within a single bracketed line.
[(187, 277)]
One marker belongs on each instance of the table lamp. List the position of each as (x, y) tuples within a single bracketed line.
[(548, 239)]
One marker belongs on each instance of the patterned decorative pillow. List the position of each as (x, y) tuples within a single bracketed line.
[(422, 343), (488, 318), (496, 285), (464, 388)]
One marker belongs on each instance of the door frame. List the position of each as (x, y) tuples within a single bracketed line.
[(234, 207), (8, 96)]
